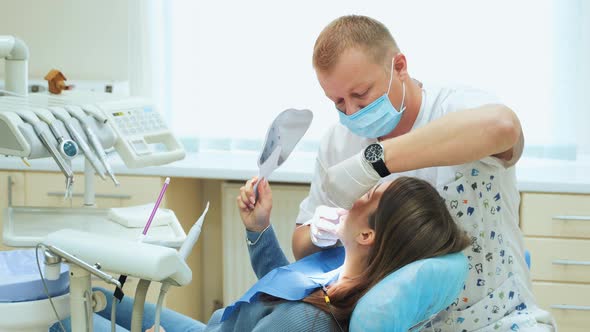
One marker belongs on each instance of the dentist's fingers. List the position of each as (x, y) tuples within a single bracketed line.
[(328, 212), (341, 212), (327, 225)]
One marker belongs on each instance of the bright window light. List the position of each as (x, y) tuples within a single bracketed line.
[(231, 66)]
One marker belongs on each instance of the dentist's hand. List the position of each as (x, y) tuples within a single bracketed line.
[(324, 224), (255, 214), (348, 180)]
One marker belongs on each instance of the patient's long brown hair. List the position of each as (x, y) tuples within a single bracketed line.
[(411, 223)]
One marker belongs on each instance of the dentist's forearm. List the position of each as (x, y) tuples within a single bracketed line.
[(454, 139)]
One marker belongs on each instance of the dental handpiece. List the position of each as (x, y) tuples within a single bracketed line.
[(63, 115), (67, 147), (43, 135), (61, 162), (193, 235), (95, 112), (77, 112)]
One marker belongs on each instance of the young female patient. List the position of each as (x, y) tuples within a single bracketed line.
[(394, 224)]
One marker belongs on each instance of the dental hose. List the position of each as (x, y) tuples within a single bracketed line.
[(163, 291), (114, 314), (138, 305)]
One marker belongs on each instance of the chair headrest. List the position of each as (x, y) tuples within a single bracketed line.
[(411, 295)]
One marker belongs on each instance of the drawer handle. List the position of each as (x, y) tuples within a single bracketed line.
[(570, 307), (568, 262), (116, 196), (567, 218)]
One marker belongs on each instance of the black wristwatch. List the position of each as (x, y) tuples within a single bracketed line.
[(374, 155)]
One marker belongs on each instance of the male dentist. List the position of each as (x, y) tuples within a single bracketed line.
[(463, 141)]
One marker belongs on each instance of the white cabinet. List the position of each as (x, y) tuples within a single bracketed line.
[(557, 234), (47, 189)]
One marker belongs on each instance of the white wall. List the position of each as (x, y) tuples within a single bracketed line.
[(86, 40)]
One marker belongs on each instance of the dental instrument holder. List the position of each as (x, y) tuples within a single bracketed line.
[(282, 136), (141, 260), (34, 140)]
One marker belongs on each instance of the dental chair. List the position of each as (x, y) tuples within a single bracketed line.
[(24, 307), (405, 300), (410, 297)]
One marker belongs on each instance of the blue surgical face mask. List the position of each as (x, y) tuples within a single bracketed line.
[(377, 119)]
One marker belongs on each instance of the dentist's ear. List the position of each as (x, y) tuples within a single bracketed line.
[(366, 237), (401, 66)]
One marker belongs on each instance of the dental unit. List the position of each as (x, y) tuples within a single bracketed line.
[(63, 127)]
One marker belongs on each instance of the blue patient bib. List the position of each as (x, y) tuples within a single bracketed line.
[(295, 281)]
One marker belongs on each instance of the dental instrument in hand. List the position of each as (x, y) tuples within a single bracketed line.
[(77, 112), (65, 117)]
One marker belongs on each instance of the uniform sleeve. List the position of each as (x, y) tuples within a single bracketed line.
[(463, 99), (316, 195), (335, 146)]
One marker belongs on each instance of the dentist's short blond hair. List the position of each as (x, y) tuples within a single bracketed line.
[(352, 31)]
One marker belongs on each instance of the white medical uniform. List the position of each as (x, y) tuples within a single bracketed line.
[(482, 197)]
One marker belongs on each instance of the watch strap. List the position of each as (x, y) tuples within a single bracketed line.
[(380, 167)]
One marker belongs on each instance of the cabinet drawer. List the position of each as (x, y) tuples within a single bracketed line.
[(555, 215), (568, 303), (46, 189), (559, 259)]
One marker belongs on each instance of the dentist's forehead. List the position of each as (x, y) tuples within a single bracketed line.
[(352, 69)]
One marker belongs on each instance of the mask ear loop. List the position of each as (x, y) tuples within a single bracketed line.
[(390, 77), (402, 107)]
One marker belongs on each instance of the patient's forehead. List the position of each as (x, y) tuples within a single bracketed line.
[(382, 186)]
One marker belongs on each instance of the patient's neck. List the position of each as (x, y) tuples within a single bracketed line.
[(355, 263)]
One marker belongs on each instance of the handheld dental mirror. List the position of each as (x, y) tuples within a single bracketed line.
[(282, 136)]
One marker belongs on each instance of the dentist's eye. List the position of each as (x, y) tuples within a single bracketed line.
[(361, 94)]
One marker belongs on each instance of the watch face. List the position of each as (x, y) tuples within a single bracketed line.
[(373, 153)]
